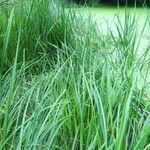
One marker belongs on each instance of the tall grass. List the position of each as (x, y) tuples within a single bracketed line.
[(42, 24), (85, 92)]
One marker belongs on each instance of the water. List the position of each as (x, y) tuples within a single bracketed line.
[(106, 18)]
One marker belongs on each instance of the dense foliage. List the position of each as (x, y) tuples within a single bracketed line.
[(67, 86), (114, 2)]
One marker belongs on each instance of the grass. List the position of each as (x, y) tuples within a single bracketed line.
[(64, 85)]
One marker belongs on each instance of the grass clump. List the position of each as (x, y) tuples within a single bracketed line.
[(88, 99), (41, 25)]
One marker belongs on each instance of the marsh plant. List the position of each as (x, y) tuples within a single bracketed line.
[(64, 85)]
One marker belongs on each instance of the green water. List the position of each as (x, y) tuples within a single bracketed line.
[(107, 17), (109, 13)]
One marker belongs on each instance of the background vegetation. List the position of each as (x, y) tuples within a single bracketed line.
[(113, 2)]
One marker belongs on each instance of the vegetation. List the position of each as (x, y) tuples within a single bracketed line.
[(65, 85), (113, 2)]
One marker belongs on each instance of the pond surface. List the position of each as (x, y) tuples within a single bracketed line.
[(107, 18)]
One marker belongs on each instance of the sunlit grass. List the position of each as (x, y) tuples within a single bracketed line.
[(64, 85)]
